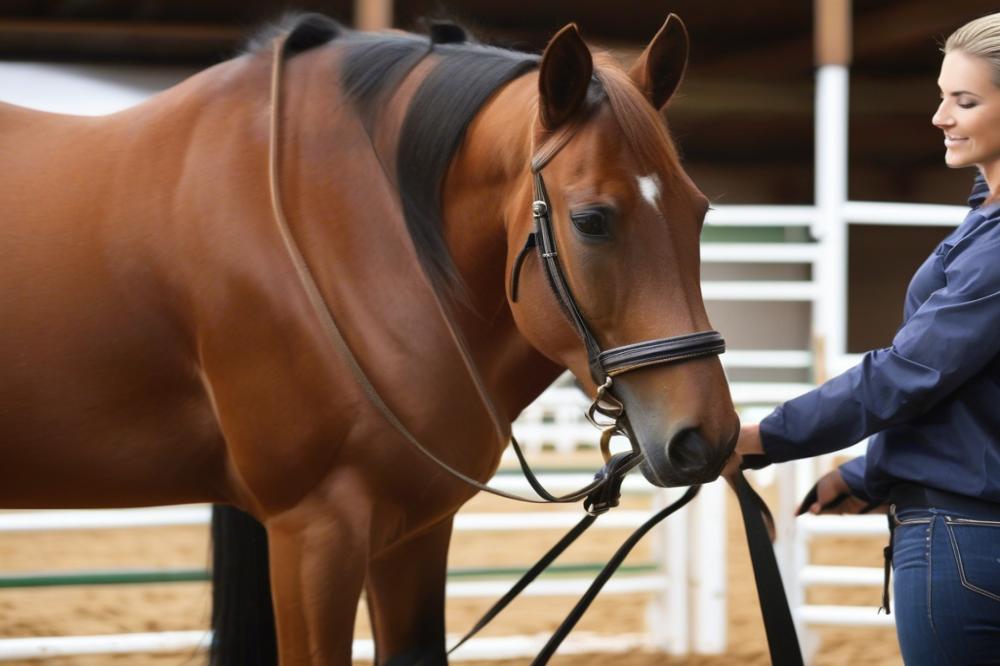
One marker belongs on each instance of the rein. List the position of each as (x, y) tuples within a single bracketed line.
[(603, 493)]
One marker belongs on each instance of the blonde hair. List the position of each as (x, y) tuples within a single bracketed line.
[(979, 38)]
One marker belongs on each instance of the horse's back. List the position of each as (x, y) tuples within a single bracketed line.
[(95, 365)]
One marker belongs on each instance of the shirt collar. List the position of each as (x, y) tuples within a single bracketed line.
[(980, 190)]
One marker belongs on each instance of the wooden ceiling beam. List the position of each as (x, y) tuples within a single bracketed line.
[(119, 40), (876, 32), (16, 28), (870, 97), (906, 24)]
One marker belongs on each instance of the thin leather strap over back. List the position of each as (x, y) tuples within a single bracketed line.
[(336, 338)]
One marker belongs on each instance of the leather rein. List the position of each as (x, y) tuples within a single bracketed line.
[(601, 494)]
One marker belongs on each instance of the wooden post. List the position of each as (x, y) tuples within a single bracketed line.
[(832, 31), (373, 14)]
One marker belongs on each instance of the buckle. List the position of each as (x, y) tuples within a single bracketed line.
[(607, 405), (608, 495)]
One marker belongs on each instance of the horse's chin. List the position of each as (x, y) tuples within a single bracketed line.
[(651, 476)]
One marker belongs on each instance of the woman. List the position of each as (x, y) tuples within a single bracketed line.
[(931, 400)]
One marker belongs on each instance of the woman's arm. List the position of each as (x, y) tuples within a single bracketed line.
[(952, 336)]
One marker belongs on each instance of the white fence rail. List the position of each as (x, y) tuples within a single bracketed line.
[(679, 589)]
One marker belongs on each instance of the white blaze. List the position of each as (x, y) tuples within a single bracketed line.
[(649, 186)]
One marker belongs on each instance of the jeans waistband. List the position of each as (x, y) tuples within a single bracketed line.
[(909, 495)]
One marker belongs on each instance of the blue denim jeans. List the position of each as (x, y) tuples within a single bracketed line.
[(946, 569)]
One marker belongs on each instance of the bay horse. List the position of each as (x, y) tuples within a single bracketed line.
[(158, 346)]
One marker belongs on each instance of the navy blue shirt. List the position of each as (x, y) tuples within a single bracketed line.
[(932, 399)]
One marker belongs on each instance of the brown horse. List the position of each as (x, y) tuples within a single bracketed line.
[(157, 345)]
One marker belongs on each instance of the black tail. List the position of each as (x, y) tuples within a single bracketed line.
[(242, 612)]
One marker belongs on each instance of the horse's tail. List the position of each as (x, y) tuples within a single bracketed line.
[(242, 611)]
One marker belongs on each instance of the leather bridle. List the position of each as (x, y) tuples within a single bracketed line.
[(604, 365)]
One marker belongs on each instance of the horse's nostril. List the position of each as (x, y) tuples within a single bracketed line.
[(687, 451)]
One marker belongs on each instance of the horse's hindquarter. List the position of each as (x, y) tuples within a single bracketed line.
[(100, 402)]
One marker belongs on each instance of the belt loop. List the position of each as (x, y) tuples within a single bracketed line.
[(887, 555)]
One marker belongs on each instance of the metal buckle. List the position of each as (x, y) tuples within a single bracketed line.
[(607, 405), (607, 496)]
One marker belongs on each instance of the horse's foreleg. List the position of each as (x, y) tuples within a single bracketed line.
[(405, 595), (318, 557)]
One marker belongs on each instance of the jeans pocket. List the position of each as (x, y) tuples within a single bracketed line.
[(976, 544)]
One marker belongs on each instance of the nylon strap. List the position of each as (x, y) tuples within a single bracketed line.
[(782, 640), (591, 593), (584, 603)]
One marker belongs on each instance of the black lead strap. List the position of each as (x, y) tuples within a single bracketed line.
[(584, 603), (782, 640), (529, 576), (598, 503)]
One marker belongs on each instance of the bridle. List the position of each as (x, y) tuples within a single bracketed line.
[(604, 365)]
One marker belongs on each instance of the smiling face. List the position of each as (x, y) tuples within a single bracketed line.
[(969, 113)]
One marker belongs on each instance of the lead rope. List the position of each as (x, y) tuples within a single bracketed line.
[(336, 338), (782, 640), (779, 627)]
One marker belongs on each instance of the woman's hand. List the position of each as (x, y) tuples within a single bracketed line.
[(748, 444), (833, 496)]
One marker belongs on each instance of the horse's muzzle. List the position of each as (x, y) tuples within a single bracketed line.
[(686, 460)]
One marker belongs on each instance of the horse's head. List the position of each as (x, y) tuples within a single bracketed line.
[(625, 225)]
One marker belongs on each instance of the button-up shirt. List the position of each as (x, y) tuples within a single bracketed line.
[(931, 400)]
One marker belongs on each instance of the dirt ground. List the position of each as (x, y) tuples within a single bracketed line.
[(185, 606)]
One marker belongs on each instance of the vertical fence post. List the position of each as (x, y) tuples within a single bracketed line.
[(707, 553), (667, 616), (373, 14)]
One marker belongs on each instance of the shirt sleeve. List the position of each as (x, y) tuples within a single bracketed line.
[(952, 336), (853, 473)]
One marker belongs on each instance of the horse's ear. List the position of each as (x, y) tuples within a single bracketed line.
[(659, 69), (563, 77), (446, 32)]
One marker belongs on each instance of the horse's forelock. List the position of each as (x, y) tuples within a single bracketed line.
[(643, 127)]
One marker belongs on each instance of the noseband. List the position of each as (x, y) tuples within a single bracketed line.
[(604, 364)]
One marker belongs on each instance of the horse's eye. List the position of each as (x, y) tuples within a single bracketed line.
[(593, 222)]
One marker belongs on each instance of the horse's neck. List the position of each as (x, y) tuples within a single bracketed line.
[(485, 178), (488, 185)]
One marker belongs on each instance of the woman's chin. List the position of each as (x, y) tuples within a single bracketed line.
[(956, 161)]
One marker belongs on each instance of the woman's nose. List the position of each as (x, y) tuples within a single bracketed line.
[(941, 118)]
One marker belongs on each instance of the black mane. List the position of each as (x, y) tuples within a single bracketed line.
[(464, 77)]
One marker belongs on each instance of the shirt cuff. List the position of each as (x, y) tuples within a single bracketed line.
[(853, 473), (778, 448)]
